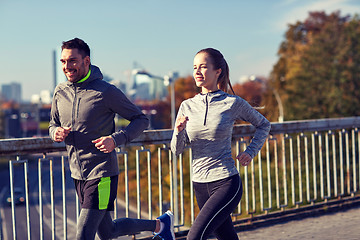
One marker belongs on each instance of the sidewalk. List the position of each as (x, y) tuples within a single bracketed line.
[(335, 222), (343, 224)]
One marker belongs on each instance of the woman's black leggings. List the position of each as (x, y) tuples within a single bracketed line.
[(216, 200)]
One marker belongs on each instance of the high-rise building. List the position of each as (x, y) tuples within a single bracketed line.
[(146, 86), (11, 92)]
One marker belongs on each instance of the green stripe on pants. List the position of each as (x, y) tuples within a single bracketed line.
[(104, 192)]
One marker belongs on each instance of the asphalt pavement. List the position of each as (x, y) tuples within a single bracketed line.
[(343, 224)]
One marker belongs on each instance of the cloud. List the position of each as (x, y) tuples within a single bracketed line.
[(299, 10)]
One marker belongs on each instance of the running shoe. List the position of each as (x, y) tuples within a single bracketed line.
[(168, 231)]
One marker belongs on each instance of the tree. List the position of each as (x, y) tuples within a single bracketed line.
[(184, 88), (317, 74), (251, 91)]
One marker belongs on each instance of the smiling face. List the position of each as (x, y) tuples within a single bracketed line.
[(74, 66), (204, 73)]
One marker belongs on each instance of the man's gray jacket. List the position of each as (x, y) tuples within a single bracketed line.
[(89, 109)]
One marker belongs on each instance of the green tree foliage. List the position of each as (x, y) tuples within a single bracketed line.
[(317, 74)]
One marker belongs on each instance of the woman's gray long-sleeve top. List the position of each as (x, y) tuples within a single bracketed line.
[(209, 132)]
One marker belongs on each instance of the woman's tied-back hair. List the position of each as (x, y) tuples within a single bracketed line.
[(78, 44), (219, 61)]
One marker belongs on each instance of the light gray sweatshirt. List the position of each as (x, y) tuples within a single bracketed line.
[(209, 132)]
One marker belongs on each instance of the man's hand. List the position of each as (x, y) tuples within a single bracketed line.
[(244, 158), (105, 144), (61, 133)]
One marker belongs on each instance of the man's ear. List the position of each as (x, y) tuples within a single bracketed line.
[(87, 60)]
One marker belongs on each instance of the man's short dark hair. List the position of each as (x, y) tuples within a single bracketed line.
[(78, 44)]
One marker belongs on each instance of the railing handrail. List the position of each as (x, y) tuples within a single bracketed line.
[(18, 146), (315, 125), (302, 163)]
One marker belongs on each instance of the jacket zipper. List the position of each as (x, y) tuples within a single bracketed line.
[(206, 109), (74, 110)]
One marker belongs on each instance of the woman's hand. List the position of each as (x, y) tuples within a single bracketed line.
[(244, 158), (181, 123)]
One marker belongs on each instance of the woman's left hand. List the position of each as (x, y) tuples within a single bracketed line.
[(244, 158)]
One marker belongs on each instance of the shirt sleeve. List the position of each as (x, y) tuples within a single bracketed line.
[(121, 105), (244, 111), (178, 140), (54, 119)]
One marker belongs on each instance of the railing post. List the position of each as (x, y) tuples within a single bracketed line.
[(283, 138), (26, 183), (191, 188), (41, 225), (26, 170), (353, 141), (314, 164), (175, 190), (240, 147), (328, 182), (64, 196), (138, 181), (126, 181), (53, 235), (182, 210), (261, 181), (334, 164), (358, 134), (11, 169), (160, 180), (268, 165), (348, 182), (341, 162), (298, 140)]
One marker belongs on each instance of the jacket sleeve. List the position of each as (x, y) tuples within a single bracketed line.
[(244, 111), (54, 118), (179, 139), (120, 104)]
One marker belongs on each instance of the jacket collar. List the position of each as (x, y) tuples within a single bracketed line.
[(95, 74)]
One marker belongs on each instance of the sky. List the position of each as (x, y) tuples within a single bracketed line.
[(159, 36)]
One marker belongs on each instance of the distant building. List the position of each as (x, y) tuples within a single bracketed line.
[(43, 98), (119, 84), (35, 99), (251, 78), (147, 87), (24, 120), (11, 92), (44, 119), (10, 120), (29, 119)]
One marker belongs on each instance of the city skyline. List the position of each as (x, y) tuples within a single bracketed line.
[(159, 36)]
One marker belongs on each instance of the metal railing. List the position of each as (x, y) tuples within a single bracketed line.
[(301, 164)]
